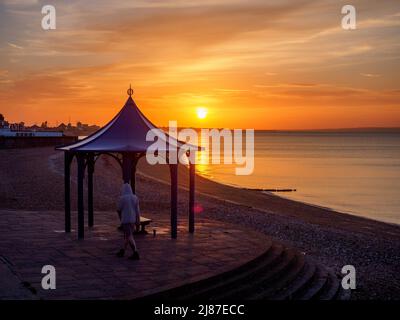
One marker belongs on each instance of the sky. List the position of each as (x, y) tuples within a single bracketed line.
[(251, 64)]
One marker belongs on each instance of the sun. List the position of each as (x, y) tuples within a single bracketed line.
[(201, 112)]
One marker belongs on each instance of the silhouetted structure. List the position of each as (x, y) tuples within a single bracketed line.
[(124, 139)]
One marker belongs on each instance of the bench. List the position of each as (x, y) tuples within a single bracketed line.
[(143, 223)]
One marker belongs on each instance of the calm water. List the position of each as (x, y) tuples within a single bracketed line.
[(358, 173)]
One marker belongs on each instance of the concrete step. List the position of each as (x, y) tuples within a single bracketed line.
[(330, 289), (261, 279), (241, 278), (279, 273), (314, 286), (188, 291), (299, 282), (282, 282)]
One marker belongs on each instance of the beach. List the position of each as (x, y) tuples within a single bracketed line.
[(32, 179), (356, 172)]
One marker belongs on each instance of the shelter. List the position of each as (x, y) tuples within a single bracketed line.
[(123, 139)]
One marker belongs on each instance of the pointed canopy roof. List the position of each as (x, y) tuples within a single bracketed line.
[(126, 132)]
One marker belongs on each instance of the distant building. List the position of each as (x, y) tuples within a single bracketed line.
[(62, 127), (19, 130)]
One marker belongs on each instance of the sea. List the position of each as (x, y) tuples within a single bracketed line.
[(351, 172)]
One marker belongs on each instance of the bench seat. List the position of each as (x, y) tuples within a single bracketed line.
[(143, 223)]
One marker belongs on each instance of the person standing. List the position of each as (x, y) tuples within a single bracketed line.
[(129, 213)]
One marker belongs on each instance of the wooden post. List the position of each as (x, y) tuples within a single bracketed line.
[(126, 167), (133, 175), (174, 200), (192, 170), (81, 217), (67, 190), (90, 166)]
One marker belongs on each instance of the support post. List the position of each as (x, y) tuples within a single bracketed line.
[(174, 200), (133, 175), (192, 173), (67, 190), (126, 167), (90, 166), (81, 217)]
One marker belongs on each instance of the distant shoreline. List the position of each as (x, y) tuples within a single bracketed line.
[(334, 210), (340, 130), (322, 130)]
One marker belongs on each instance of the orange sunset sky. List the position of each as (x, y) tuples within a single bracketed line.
[(252, 64)]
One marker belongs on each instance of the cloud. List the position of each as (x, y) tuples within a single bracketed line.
[(20, 2), (13, 45), (370, 75), (286, 85), (3, 73)]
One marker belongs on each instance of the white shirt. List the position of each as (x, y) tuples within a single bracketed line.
[(129, 207)]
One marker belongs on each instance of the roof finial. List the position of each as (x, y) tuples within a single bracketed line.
[(130, 91)]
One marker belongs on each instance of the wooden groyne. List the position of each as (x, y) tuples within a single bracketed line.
[(272, 190), (279, 190)]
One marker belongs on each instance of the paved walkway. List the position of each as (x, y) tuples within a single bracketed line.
[(89, 269), (11, 287)]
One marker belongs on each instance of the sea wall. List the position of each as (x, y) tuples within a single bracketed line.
[(32, 142)]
